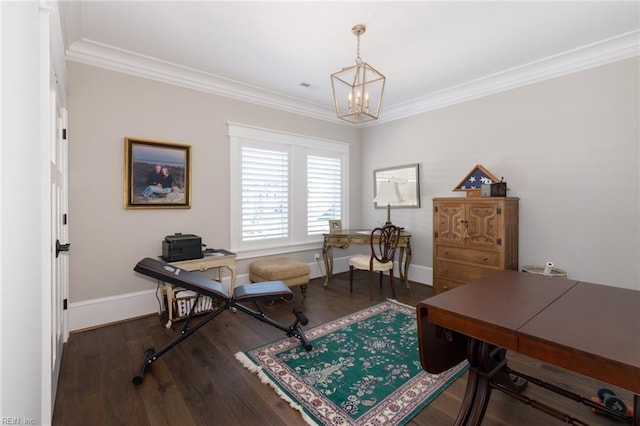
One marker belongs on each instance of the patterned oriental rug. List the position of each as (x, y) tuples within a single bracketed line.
[(364, 369)]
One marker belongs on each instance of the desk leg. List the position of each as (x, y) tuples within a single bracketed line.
[(327, 256), (403, 264), (636, 410)]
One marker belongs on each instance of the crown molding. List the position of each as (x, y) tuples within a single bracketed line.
[(596, 54), (108, 57), (602, 52)]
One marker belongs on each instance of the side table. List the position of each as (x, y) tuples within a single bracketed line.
[(216, 259)]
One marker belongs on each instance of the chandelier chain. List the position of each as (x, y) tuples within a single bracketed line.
[(358, 59)]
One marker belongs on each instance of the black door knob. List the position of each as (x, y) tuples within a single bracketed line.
[(61, 247)]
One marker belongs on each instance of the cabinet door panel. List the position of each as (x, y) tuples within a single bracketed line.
[(483, 230), (448, 223)]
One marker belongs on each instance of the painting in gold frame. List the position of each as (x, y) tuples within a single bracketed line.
[(157, 175)]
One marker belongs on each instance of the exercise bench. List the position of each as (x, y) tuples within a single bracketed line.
[(203, 286)]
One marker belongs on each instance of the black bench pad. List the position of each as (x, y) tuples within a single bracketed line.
[(198, 282)]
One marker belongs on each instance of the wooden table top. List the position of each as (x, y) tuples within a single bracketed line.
[(493, 308), (594, 330), (588, 328)]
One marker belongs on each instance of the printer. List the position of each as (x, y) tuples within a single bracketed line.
[(178, 247)]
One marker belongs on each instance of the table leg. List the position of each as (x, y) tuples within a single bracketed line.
[(478, 391), (169, 297), (472, 383), (483, 390), (636, 410), (486, 362), (232, 283), (232, 270), (327, 256)]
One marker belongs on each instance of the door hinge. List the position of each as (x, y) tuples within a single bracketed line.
[(64, 134), (499, 210), (64, 304), (435, 209), (499, 241), (435, 234), (64, 218)]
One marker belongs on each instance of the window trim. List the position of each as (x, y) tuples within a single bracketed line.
[(240, 134)]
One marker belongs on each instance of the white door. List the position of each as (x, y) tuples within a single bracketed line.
[(54, 141), (32, 80), (60, 243)]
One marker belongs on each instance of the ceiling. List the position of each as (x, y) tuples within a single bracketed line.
[(281, 54)]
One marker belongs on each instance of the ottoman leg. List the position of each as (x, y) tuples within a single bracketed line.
[(303, 290)]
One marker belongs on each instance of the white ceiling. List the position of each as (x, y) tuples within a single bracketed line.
[(432, 53)]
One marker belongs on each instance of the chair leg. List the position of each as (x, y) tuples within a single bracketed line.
[(393, 288), (350, 279), (371, 284)]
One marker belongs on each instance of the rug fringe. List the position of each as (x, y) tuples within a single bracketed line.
[(399, 303), (264, 378)]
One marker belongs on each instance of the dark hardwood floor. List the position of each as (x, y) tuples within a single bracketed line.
[(199, 382)]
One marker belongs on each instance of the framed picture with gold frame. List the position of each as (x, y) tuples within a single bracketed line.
[(157, 175)]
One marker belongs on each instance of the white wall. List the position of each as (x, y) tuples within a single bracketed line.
[(21, 358), (567, 147), (107, 240)]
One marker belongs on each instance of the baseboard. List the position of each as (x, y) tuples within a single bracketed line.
[(417, 274), (107, 310)]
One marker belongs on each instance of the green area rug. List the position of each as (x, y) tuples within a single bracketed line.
[(364, 369)]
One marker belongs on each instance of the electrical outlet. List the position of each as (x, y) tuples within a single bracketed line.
[(316, 256)]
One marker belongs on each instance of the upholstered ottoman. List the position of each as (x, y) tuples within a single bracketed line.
[(291, 272)]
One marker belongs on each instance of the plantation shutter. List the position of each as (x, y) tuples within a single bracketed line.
[(265, 194), (324, 192)]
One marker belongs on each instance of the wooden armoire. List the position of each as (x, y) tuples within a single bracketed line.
[(473, 237)]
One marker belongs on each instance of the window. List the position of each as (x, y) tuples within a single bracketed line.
[(324, 192), (265, 194), (284, 189)]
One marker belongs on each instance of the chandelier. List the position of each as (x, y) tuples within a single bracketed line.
[(358, 89)]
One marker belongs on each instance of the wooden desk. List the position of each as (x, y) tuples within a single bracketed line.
[(222, 259), (346, 237), (587, 328)]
